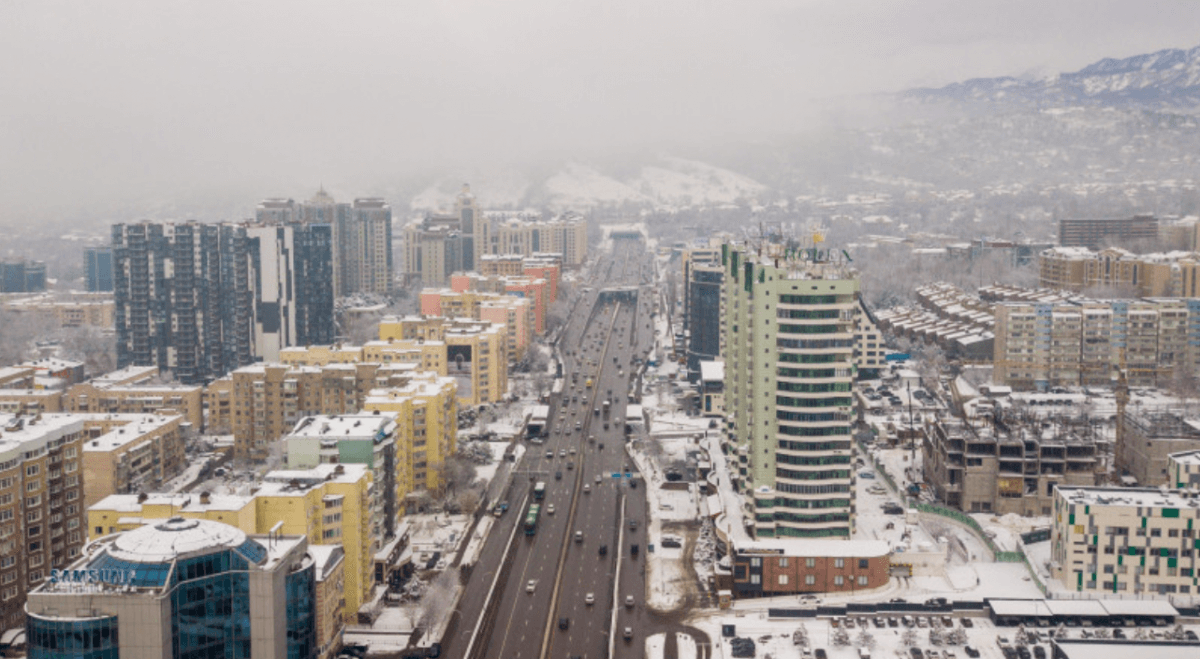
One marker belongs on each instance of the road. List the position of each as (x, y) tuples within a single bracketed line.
[(541, 606)]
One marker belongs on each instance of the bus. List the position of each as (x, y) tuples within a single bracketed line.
[(539, 490), (531, 518)]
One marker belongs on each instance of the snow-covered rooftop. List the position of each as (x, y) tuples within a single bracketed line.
[(821, 548), (174, 538), (1126, 496)]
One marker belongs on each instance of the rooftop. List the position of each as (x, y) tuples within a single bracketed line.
[(134, 428), (1129, 496), (824, 548), (346, 426), (1189, 458)]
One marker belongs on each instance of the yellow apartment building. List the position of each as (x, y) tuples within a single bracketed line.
[(426, 411)]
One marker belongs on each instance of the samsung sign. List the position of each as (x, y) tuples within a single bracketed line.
[(112, 577)]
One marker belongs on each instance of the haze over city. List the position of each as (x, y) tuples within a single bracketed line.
[(123, 106)]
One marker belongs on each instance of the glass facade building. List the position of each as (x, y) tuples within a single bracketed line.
[(210, 584)]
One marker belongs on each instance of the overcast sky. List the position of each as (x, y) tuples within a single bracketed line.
[(112, 102)]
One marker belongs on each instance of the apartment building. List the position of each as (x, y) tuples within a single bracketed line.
[(767, 568), (67, 310), (426, 413), (200, 300), (98, 269), (515, 313), (1126, 540), (1085, 342), (41, 504), (1098, 233), (474, 353), (327, 504), (353, 439), (441, 244), (564, 234), (1009, 465), (22, 276), (133, 390), (702, 313), (538, 291), (788, 336), (129, 453), (180, 588), (1171, 274)]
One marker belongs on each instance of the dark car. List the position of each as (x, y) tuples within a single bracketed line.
[(603, 550), (820, 653), (916, 653), (971, 652), (564, 622), (966, 622), (1039, 652), (633, 550), (558, 475)]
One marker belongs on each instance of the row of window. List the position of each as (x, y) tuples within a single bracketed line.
[(809, 580)]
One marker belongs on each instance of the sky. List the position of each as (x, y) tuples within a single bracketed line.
[(109, 106)]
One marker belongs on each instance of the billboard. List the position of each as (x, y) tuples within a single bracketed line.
[(458, 366)]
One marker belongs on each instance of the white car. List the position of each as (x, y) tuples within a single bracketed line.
[(531, 586), (590, 599), (550, 509), (586, 488)]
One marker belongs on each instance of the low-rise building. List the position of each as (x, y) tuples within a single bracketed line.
[(181, 588), (770, 568), (1183, 470), (1149, 438), (327, 504), (1131, 541)]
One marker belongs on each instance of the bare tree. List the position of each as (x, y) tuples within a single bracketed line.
[(438, 598)]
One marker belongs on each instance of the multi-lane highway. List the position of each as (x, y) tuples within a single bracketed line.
[(555, 591)]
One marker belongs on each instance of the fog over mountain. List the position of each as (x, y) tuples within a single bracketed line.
[(115, 111)]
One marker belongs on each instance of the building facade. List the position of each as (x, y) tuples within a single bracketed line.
[(180, 588), (1078, 269), (98, 267), (22, 276), (41, 504), (789, 366), (772, 569), (702, 315), (129, 453), (1126, 540), (1097, 234), (201, 300)]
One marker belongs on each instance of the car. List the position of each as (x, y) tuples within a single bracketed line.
[(1039, 652), (564, 622), (558, 475), (921, 622), (570, 465), (866, 474), (628, 633), (893, 622), (531, 586), (549, 455), (966, 622), (579, 536), (936, 601), (878, 622), (603, 550), (915, 653), (971, 651), (598, 479), (633, 550), (587, 488), (932, 654), (562, 452), (550, 509), (590, 599), (629, 601), (632, 484), (633, 525)]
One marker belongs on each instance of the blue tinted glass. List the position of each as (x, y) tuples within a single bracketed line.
[(96, 638)]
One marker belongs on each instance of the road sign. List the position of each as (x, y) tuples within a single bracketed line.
[(616, 475)]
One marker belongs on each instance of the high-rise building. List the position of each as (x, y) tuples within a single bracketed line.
[(203, 299), (1095, 233), (788, 327), (181, 588), (41, 504), (99, 265), (22, 277), (361, 237), (702, 315)]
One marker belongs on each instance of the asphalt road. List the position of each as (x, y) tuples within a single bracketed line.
[(543, 607)]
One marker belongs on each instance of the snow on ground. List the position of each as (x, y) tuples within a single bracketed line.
[(488, 472), (581, 186), (655, 645), (1005, 531), (475, 545), (436, 532), (686, 646)]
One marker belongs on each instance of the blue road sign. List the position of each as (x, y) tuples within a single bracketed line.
[(616, 475)]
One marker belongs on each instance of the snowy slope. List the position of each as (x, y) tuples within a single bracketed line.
[(691, 183), (580, 186), (1167, 79)]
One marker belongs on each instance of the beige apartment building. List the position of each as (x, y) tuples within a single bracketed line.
[(426, 413), (1038, 345), (41, 504), (133, 390), (1171, 274), (1126, 541), (129, 453)]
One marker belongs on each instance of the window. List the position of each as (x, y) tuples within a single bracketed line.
[(756, 579), (33, 486), (839, 580), (756, 562), (31, 470), (839, 562), (862, 563), (783, 562), (783, 580), (810, 580), (862, 581)]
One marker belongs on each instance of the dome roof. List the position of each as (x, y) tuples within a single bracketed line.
[(175, 538)]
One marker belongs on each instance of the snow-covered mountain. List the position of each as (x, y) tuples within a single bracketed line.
[(580, 186), (679, 182), (508, 188), (1165, 80)]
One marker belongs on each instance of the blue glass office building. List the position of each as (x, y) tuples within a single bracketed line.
[(181, 589)]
